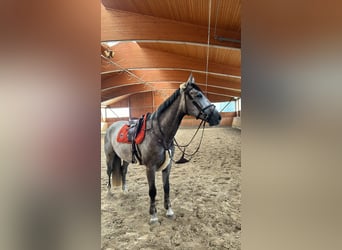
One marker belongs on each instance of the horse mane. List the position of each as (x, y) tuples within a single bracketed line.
[(171, 99), (167, 102)]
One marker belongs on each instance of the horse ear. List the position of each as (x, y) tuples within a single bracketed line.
[(191, 79)]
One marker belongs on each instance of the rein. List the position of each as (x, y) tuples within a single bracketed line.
[(182, 148)]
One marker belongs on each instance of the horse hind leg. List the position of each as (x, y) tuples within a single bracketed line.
[(123, 175), (113, 169), (110, 154), (109, 161), (116, 171)]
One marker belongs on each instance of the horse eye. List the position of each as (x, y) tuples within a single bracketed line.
[(199, 95)]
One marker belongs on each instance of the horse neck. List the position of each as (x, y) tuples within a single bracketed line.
[(170, 119)]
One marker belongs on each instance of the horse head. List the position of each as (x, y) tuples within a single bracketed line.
[(197, 104)]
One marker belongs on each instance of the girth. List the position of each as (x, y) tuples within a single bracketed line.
[(135, 137)]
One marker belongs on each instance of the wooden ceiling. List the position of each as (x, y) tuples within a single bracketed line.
[(160, 42)]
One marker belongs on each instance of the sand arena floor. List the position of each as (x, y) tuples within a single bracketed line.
[(205, 195)]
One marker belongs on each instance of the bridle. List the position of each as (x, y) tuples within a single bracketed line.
[(202, 115)]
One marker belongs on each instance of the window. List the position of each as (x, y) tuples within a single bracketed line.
[(114, 113), (225, 106)]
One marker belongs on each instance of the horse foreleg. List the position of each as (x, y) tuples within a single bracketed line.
[(166, 184), (123, 175), (152, 193)]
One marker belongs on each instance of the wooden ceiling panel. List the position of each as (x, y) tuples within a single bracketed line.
[(177, 48), (222, 55), (225, 14), (190, 11), (162, 41), (231, 57), (126, 26)]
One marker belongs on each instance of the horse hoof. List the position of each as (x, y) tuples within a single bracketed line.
[(125, 189), (154, 219), (169, 213), (109, 194)]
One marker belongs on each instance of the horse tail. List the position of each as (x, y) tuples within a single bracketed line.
[(113, 162), (116, 171)]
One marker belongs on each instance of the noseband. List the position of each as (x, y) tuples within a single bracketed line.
[(202, 115)]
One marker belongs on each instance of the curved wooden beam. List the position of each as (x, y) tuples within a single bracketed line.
[(213, 97), (153, 76), (130, 55), (126, 89)]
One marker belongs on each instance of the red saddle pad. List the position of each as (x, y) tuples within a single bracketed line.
[(123, 133)]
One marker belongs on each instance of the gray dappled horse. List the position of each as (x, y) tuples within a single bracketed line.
[(157, 147)]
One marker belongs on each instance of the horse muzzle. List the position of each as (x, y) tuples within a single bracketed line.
[(214, 118), (210, 115)]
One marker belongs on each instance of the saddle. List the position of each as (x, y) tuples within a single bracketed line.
[(134, 133)]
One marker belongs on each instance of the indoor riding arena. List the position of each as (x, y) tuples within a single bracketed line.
[(178, 63)]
